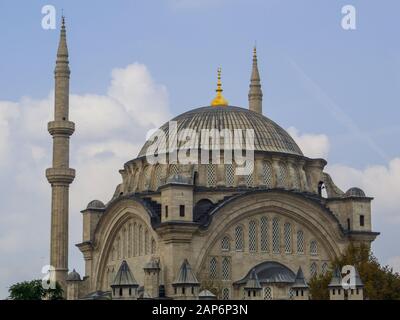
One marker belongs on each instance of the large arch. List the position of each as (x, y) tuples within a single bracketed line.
[(116, 216), (322, 223)]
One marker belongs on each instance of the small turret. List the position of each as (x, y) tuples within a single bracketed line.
[(124, 286), (336, 291), (253, 287), (300, 286), (186, 285)]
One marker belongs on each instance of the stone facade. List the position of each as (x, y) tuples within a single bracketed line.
[(189, 231)]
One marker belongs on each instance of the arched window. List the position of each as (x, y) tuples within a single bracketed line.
[(300, 241), (313, 247), (140, 240), (275, 236), (324, 268), (282, 175), (135, 239), (158, 177), (267, 174), (288, 237), (153, 246), (146, 178), (226, 268), (296, 179), (225, 244), (250, 177), (291, 293), (264, 234), (225, 294), (173, 170), (130, 230), (118, 248), (211, 175), (252, 236), (213, 268), (239, 241), (313, 269), (146, 242), (268, 293), (229, 175), (124, 238)]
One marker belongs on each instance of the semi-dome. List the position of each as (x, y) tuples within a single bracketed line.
[(268, 136)]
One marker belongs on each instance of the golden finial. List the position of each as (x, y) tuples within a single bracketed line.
[(219, 99)]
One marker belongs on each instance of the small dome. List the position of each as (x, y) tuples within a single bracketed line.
[(73, 276), (355, 192), (95, 204)]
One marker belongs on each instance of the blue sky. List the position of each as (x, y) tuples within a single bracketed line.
[(316, 76)]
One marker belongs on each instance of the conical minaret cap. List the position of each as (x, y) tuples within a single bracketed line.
[(62, 52)]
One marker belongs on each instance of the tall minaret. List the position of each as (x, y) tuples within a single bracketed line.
[(60, 176), (255, 93)]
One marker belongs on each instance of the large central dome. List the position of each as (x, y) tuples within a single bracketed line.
[(268, 135)]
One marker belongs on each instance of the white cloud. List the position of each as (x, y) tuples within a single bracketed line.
[(110, 130), (394, 262), (379, 181), (312, 145)]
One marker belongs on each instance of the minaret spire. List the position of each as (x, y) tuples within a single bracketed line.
[(60, 176), (219, 99), (255, 92)]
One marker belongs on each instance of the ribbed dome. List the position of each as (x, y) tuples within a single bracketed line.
[(355, 192), (268, 135)]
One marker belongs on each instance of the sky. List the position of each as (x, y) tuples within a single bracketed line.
[(135, 64)]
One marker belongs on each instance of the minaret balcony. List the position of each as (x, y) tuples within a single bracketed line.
[(60, 175), (61, 127)]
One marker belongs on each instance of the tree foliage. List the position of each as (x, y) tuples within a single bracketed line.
[(33, 290), (380, 282)]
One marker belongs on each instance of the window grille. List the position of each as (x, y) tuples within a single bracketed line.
[(225, 244), (225, 294), (288, 237), (324, 268), (173, 169), (313, 248), (213, 268), (250, 177), (211, 175), (275, 236), (252, 236), (226, 269), (267, 174), (291, 293), (239, 238), (282, 175), (268, 293), (229, 175), (159, 177), (313, 269), (300, 241)]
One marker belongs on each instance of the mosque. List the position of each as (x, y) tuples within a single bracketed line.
[(199, 230)]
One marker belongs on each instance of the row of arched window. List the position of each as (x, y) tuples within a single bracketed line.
[(133, 240), (265, 236), (147, 178)]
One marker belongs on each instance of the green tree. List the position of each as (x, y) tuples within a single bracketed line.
[(380, 282), (33, 290)]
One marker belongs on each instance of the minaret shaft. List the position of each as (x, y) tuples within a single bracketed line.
[(60, 176)]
